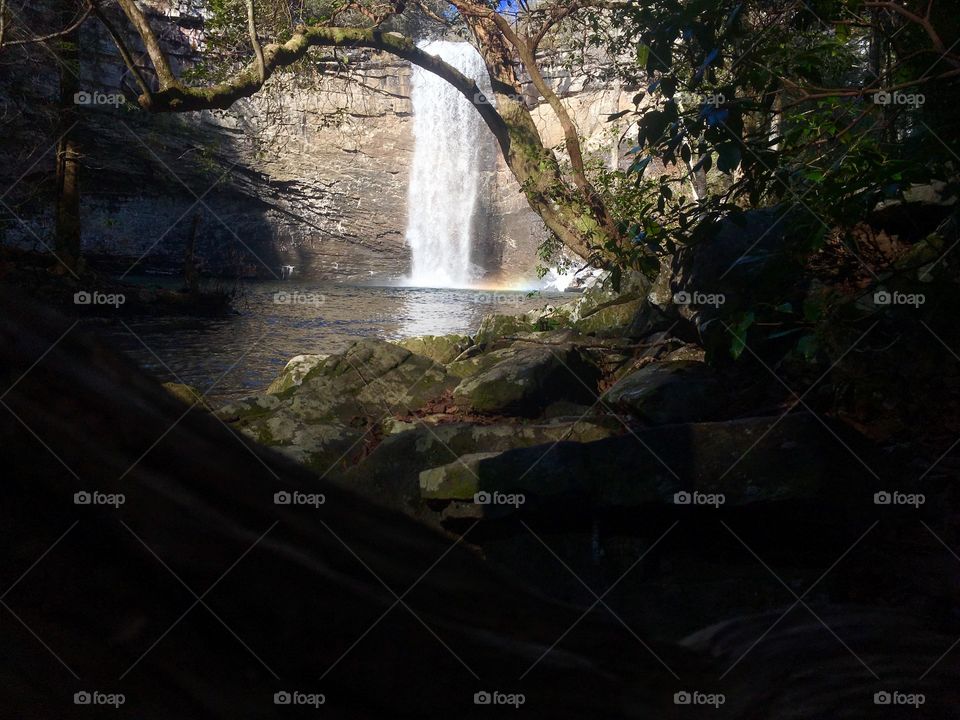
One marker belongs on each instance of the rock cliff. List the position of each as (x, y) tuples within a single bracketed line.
[(309, 173)]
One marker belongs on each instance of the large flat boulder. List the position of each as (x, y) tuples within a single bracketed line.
[(525, 378), (390, 474), (294, 372), (747, 461), (603, 294), (494, 327), (371, 378), (672, 391), (612, 320), (439, 348), (339, 401)]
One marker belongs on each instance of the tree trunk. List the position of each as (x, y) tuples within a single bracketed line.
[(580, 222), (67, 233)]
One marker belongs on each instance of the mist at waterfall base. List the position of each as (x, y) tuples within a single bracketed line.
[(452, 156)]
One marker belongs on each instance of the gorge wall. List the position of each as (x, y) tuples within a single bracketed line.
[(313, 175)]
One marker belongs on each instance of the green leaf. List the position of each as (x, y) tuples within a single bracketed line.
[(739, 331), (643, 54), (808, 346), (783, 333)]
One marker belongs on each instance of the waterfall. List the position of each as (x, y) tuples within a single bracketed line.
[(451, 158)]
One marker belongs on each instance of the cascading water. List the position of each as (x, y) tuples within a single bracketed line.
[(447, 177)]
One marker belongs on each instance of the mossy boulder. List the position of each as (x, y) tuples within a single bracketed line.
[(454, 480), (248, 408), (476, 362), (551, 317), (525, 378), (673, 391), (371, 378), (390, 474), (439, 348), (752, 460), (294, 372), (187, 394), (612, 320), (494, 327), (632, 286), (322, 420)]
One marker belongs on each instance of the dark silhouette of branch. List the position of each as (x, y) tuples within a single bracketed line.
[(84, 14)]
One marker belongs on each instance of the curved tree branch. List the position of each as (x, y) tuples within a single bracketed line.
[(576, 217), (571, 134), (561, 11), (255, 43), (150, 41), (177, 97), (123, 49), (925, 23)]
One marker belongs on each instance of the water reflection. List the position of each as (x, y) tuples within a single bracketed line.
[(240, 355)]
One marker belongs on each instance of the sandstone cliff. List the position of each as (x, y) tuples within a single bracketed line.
[(311, 174)]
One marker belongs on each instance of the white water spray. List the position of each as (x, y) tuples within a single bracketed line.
[(449, 164)]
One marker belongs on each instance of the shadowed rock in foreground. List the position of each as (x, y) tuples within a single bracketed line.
[(199, 596)]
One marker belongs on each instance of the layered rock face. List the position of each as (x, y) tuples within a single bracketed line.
[(309, 173)]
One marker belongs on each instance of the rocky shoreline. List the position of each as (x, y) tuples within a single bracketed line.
[(596, 432)]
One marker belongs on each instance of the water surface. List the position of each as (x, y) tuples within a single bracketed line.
[(238, 356)]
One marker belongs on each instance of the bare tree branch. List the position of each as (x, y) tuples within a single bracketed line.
[(574, 214), (122, 48), (923, 22), (558, 12), (85, 13), (570, 132), (3, 20), (157, 55)]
